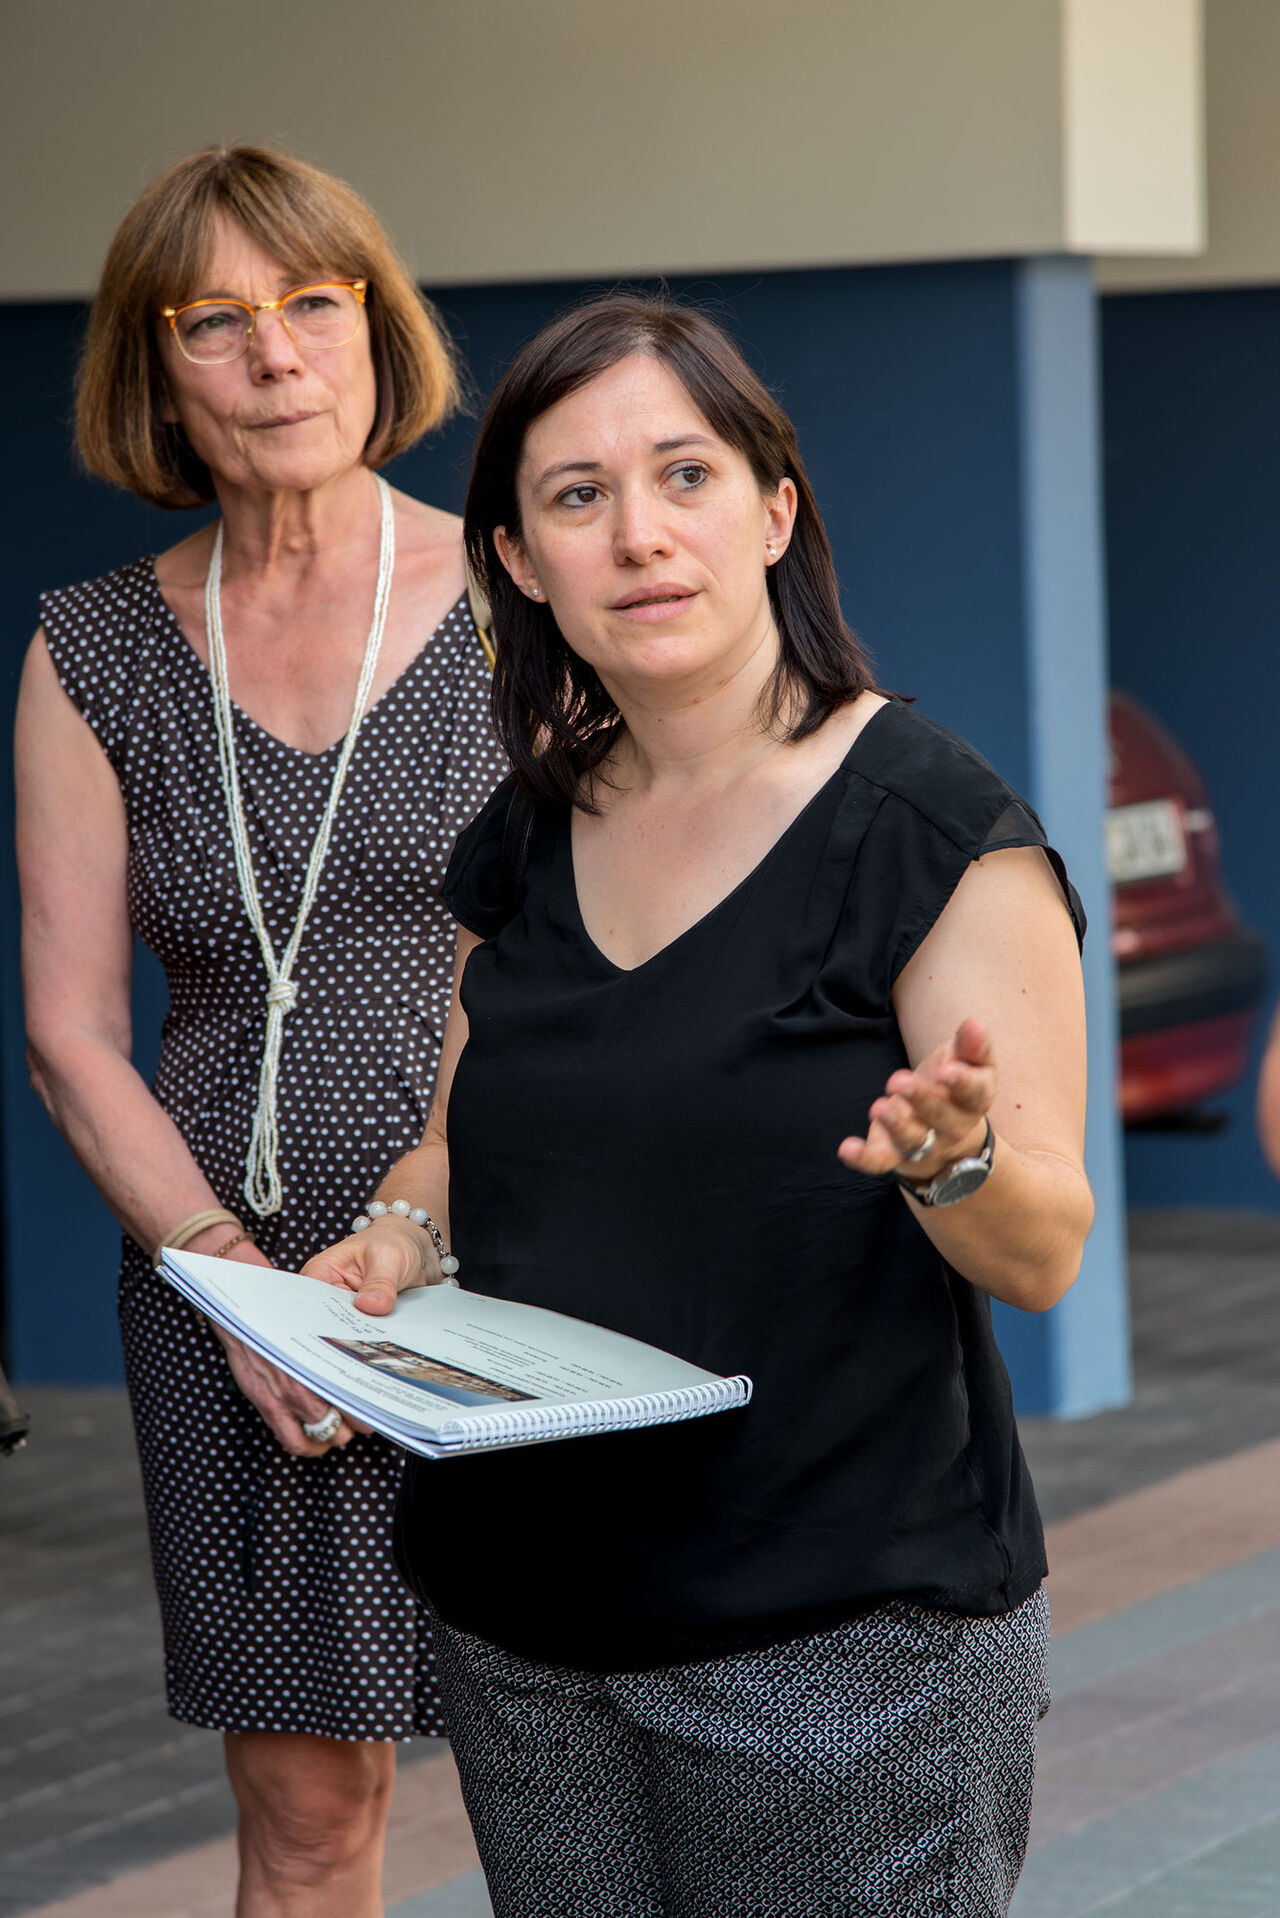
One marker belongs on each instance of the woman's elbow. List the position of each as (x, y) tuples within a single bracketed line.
[(62, 1066), (1058, 1268), (41, 1078)]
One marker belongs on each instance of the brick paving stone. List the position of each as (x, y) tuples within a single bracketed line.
[(460, 1898), (1140, 1746), (81, 1695), (95, 1777), (1205, 1303), (429, 1848), (1239, 1878), (1174, 1618), (1183, 1528), (97, 1801), (1088, 1870)]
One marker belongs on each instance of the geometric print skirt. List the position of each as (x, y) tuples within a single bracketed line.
[(880, 1770)]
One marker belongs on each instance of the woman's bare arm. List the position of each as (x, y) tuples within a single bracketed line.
[(77, 958), (992, 1014), (1269, 1099)]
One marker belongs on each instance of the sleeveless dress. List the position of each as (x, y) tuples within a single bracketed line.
[(282, 1610)]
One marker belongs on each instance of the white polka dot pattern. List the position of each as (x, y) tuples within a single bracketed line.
[(282, 1609)]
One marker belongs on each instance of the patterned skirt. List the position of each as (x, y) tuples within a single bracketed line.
[(883, 1767)]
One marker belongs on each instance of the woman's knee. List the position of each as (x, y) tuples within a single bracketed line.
[(309, 1805)]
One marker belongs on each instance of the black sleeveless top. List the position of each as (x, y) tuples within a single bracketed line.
[(655, 1150)]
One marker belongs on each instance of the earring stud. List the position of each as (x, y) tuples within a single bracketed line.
[(535, 592)]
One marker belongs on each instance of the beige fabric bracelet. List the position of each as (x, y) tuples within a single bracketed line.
[(188, 1229)]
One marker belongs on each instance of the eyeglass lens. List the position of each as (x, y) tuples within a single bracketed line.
[(213, 331)]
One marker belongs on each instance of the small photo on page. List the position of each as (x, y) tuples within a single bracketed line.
[(433, 1375)]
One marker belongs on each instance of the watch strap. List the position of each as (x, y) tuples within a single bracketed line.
[(927, 1194)]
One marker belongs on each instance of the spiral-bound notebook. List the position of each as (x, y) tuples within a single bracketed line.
[(451, 1371)]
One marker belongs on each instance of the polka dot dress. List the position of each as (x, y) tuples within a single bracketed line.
[(282, 1610)]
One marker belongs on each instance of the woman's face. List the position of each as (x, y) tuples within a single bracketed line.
[(647, 535), (280, 418)]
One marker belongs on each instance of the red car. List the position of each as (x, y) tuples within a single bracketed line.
[(1189, 973)]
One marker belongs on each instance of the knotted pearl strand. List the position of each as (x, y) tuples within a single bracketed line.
[(262, 1185)]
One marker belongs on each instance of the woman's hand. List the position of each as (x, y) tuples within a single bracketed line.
[(391, 1256), (943, 1100), (1004, 949), (284, 1403)]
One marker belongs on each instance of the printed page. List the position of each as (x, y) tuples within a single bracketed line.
[(443, 1356)]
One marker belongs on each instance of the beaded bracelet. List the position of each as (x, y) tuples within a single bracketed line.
[(416, 1215), (229, 1245)]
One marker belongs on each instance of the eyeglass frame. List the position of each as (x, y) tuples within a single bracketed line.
[(174, 313)]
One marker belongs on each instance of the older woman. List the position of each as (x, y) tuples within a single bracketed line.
[(768, 1049), (255, 751)]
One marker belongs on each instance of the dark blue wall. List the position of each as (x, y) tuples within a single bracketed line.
[(1191, 385), (903, 383)]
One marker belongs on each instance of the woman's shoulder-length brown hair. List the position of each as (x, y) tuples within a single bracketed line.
[(315, 225), (551, 711)]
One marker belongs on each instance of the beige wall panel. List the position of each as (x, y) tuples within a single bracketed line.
[(1133, 121), (508, 139), (1242, 115)]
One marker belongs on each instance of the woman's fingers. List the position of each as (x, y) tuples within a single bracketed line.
[(876, 1153), (328, 1269), (938, 1104), (949, 1103), (380, 1283), (972, 1043), (298, 1399), (282, 1403), (376, 1265)]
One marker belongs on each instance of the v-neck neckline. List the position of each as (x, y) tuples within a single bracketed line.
[(748, 879), (201, 666)]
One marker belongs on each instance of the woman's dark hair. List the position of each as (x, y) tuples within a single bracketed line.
[(552, 713)]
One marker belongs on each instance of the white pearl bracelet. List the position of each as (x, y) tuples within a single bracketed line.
[(416, 1215)]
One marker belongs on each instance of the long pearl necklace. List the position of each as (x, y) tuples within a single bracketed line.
[(262, 1186)]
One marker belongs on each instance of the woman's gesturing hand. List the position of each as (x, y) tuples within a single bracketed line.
[(943, 1101), (391, 1256)]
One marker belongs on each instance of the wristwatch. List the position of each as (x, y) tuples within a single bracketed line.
[(956, 1181)]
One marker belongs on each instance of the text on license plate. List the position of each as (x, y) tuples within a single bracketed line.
[(1145, 841)]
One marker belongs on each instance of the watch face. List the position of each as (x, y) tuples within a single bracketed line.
[(961, 1181)]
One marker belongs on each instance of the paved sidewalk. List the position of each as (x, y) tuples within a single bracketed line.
[(1158, 1773), (1159, 1790)]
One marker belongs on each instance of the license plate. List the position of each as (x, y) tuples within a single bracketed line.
[(1145, 842)]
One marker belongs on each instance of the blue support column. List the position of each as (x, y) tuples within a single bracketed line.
[(1075, 1359)]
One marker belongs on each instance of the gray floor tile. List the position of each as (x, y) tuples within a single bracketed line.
[(1237, 1879), (1164, 1624), (1205, 1296), (79, 1632), (1115, 1857), (460, 1898)]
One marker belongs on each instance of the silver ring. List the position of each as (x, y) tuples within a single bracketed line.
[(923, 1150), (324, 1429)]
